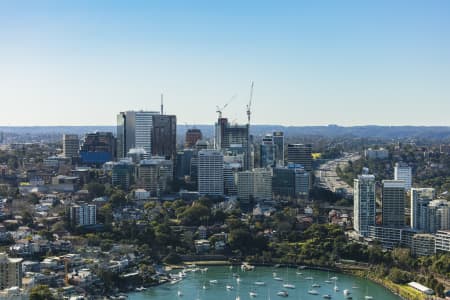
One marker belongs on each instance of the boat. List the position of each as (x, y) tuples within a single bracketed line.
[(175, 280), (179, 294), (289, 286), (238, 280), (315, 285), (204, 287), (247, 267), (253, 294), (327, 296), (259, 283), (282, 294), (238, 298), (204, 270), (313, 292), (368, 297), (229, 287), (213, 281), (335, 286), (140, 289), (328, 281), (308, 278), (278, 278), (334, 278), (299, 273), (346, 292)]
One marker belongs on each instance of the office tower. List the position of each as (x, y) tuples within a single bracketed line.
[(98, 148), (10, 271), (364, 204), (393, 203), (403, 172), (291, 181), (122, 174), (201, 145), (183, 163), (420, 198), (233, 137), (155, 174), (164, 136), (254, 185), (82, 214), (192, 136), (267, 152), (71, 145), (278, 141), (438, 215), (210, 173), (300, 154), (134, 130), (231, 166)]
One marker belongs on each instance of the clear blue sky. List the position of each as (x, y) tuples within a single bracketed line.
[(313, 62)]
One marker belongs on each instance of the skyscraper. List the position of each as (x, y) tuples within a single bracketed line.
[(393, 203), (403, 172), (192, 136), (254, 184), (420, 198), (364, 203), (164, 136), (134, 130), (71, 145), (278, 141), (291, 181), (300, 154), (210, 173), (267, 152)]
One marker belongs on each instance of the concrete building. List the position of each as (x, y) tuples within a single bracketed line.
[(291, 181), (155, 174), (376, 153), (122, 174), (420, 198), (82, 214), (193, 135), (10, 272), (164, 136), (300, 154), (267, 152), (423, 244), (438, 215), (392, 237), (232, 166), (364, 203), (210, 173), (278, 141), (134, 130), (98, 148), (443, 241), (393, 203), (403, 172), (71, 145), (255, 185)]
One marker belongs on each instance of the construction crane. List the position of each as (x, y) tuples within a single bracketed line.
[(219, 110), (249, 105)]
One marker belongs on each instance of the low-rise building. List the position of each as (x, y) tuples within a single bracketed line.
[(423, 244), (443, 240)]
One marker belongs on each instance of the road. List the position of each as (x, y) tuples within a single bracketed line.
[(327, 177)]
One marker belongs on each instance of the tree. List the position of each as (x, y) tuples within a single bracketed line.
[(118, 198), (96, 189), (41, 292)]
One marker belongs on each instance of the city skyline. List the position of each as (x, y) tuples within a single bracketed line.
[(313, 63)]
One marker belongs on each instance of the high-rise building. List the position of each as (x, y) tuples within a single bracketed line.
[(300, 154), (82, 214), (164, 136), (183, 163), (231, 167), (210, 173), (134, 130), (278, 141), (438, 215), (71, 145), (420, 198), (122, 174), (255, 185), (393, 203), (267, 152), (192, 136), (291, 181), (10, 272), (154, 175), (364, 203), (403, 172), (98, 148), (235, 137)]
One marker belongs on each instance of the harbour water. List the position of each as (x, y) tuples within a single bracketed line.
[(223, 283)]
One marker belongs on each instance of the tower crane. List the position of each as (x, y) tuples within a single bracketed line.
[(249, 105), (220, 109)]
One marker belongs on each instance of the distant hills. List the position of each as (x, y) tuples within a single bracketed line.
[(369, 131)]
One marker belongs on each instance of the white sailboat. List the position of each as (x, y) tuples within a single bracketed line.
[(336, 288)]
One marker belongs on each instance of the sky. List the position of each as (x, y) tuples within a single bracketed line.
[(317, 62)]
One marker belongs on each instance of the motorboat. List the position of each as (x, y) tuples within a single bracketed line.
[(253, 294), (289, 286), (259, 283), (229, 287), (327, 296), (315, 285), (213, 281), (282, 294), (313, 292)]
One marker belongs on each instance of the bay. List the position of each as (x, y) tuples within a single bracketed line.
[(191, 287)]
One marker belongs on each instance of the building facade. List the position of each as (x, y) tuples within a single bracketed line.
[(193, 135), (393, 203), (82, 214), (420, 198), (10, 272), (403, 172), (71, 145), (210, 173), (98, 148), (364, 202), (164, 136), (300, 154)]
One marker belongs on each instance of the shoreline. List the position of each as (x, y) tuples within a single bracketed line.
[(356, 272)]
